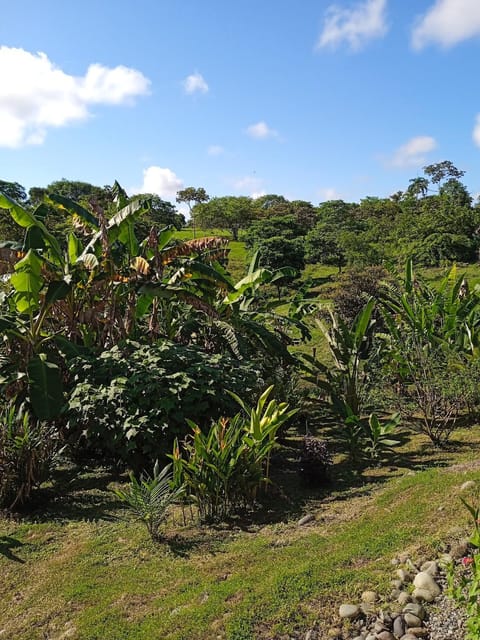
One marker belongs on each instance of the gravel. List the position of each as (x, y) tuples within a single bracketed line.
[(445, 620)]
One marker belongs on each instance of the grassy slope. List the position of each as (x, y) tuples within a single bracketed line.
[(76, 571)]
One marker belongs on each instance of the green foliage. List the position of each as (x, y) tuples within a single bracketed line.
[(433, 334), (223, 468), (150, 496), (464, 587), (350, 349), (28, 449), (133, 400)]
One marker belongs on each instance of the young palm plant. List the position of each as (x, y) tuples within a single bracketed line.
[(150, 496)]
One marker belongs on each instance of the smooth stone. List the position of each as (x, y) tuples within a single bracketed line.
[(430, 567), (408, 636), (385, 635), (396, 584), (394, 562), (399, 626), (306, 519), (349, 611), (418, 632), (403, 575), (425, 581), (415, 609), (423, 595), (369, 596), (412, 620), (404, 598), (395, 593), (371, 636), (469, 484)]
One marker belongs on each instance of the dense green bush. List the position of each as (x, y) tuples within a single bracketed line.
[(133, 401)]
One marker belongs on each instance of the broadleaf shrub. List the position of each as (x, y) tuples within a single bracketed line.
[(132, 401)]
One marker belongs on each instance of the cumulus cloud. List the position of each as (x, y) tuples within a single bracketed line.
[(195, 83), (161, 181), (36, 95), (356, 26), (261, 131), (215, 150), (413, 153), (447, 23)]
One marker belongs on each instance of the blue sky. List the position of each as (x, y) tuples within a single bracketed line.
[(311, 100)]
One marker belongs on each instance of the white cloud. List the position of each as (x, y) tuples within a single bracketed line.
[(195, 83), (161, 181), (257, 194), (215, 150), (249, 185), (413, 152), (476, 131), (329, 193), (356, 26), (447, 23), (261, 131), (36, 95)]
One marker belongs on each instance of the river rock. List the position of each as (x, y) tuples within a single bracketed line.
[(412, 620), (418, 632), (430, 567), (349, 611), (425, 581), (369, 596), (306, 519), (403, 575), (399, 626), (385, 635), (415, 609), (404, 598), (423, 595), (459, 550)]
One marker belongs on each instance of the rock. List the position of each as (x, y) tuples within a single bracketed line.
[(425, 581), (459, 550), (418, 632), (412, 620), (394, 562), (396, 584), (430, 567), (415, 609), (385, 635), (368, 608), (403, 575), (399, 626), (423, 595), (305, 520), (311, 635), (408, 636), (335, 632), (349, 611), (369, 596), (445, 560), (404, 598), (468, 485)]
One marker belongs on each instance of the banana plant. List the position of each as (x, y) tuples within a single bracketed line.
[(350, 349)]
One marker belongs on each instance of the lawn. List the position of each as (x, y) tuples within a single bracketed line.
[(78, 566)]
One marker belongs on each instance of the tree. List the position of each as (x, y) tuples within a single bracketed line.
[(441, 170), (230, 212), (161, 214), (9, 231), (193, 195)]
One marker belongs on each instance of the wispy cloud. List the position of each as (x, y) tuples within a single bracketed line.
[(328, 193), (161, 181), (413, 153), (36, 95), (249, 185), (356, 26), (261, 131), (447, 23), (195, 83), (215, 150), (476, 131)]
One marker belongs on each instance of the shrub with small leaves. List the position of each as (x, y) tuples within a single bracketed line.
[(316, 459)]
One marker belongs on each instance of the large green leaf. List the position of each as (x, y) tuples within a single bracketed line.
[(74, 208), (45, 386)]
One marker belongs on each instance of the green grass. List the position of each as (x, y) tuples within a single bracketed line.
[(79, 568)]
